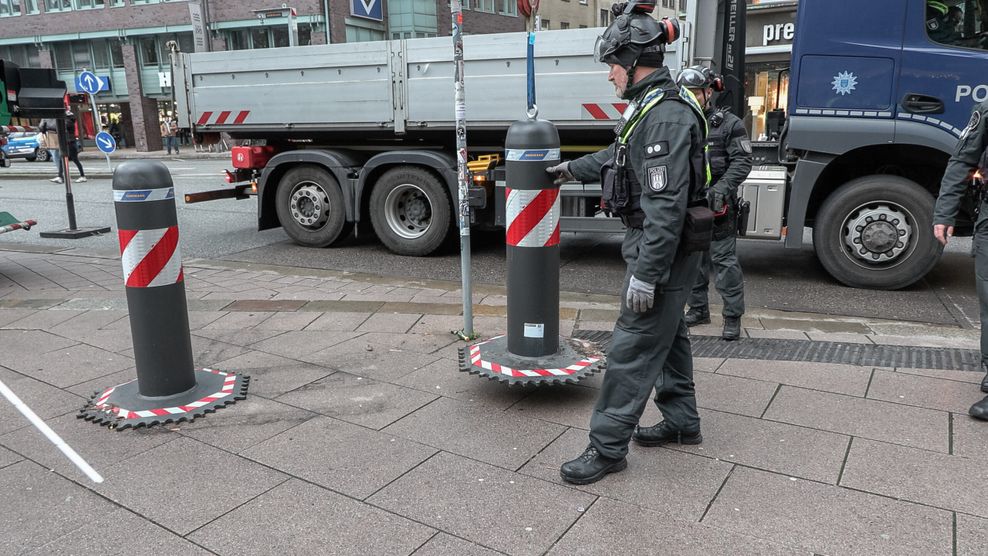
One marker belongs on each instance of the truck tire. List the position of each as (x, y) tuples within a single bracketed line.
[(875, 232), (310, 207), (410, 211)]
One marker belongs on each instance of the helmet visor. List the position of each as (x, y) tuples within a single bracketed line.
[(604, 49), (692, 78)]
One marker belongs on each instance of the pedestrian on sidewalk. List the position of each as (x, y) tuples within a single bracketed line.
[(729, 153), (654, 170), (73, 143), (49, 133), (964, 173), (169, 131)]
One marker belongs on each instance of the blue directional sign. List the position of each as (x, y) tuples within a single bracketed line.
[(367, 9), (105, 142), (89, 82)]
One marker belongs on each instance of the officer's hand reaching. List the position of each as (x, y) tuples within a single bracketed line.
[(641, 295), (718, 202), (561, 173), (943, 233)]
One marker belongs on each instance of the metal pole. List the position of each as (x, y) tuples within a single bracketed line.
[(63, 145), (292, 27), (463, 211), (99, 129)]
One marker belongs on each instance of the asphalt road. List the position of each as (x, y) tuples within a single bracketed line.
[(775, 278)]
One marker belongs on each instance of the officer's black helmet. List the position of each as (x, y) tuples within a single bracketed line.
[(695, 77), (635, 37)]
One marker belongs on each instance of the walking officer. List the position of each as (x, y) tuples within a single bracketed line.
[(651, 176), (964, 171), (729, 154)]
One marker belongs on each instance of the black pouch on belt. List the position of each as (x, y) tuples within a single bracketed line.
[(698, 229)]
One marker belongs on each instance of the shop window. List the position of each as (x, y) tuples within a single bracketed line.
[(962, 24), (116, 54), (10, 8), (63, 56), (259, 38), (101, 53), (237, 40), (80, 55)]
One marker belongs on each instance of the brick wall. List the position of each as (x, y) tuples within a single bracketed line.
[(475, 23)]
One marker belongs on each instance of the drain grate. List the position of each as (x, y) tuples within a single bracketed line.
[(865, 355)]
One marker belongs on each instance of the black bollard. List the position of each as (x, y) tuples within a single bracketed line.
[(168, 386), (532, 237)]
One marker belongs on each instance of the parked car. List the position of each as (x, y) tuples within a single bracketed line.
[(25, 145)]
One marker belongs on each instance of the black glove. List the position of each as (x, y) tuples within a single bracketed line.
[(561, 173), (718, 202)]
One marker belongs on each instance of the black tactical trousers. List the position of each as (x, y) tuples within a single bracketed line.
[(722, 262), (648, 350), (980, 248)]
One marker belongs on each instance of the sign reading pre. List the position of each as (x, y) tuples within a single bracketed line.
[(367, 9)]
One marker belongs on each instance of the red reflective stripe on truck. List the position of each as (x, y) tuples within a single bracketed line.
[(204, 118), (241, 117), (596, 112), (222, 117)]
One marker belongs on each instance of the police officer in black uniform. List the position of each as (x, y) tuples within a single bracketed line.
[(729, 153), (650, 176), (970, 155)]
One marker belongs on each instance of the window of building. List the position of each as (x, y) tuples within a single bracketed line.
[(256, 37), (259, 38), (24, 55), (510, 7), (545, 24), (116, 3), (564, 25), (62, 52), (583, 26), (960, 25), (682, 5), (31, 7), (605, 18), (483, 5), (81, 57), (363, 34), (58, 5), (10, 8), (88, 4), (148, 49)]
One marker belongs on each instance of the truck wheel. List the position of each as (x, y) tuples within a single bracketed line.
[(875, 232), (410, 211), (310, 207)]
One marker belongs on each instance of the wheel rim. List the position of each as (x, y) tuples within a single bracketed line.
[(878, 235), (309, 205), (407, 211)]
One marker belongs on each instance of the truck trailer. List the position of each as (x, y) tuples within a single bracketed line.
[(360, 136)]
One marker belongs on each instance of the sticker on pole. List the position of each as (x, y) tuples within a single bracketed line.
[(534, 330), (89, 82), (105, 142)]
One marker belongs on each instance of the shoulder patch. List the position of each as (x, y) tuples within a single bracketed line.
[(746, 145), (657, 178), (971, 125), (660, 148)]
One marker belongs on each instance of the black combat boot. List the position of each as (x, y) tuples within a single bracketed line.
[(590, 467), (732, 328), (696, 317), (664, 434), (984, 381), (979, 410)]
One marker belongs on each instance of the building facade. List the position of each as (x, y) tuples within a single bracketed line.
[(126, 42)]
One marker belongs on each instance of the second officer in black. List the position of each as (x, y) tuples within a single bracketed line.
[(651, 176)]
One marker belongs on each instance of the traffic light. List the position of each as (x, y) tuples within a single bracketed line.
[(41, 94), (9, 86)]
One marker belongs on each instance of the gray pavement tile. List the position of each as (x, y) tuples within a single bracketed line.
[(484, 504), (668, 481), (873, 419), (42, 320), (243, 424), (119, 532), (87, 321), (70, 365), (298, 344), (477, 431), (346, 458), (932, 393), (772, 334), (239, 320), (358, 400), (569, 405), (272, 375), (9, 315), (8, 458), (444, 378), (970, 377), (972, 536), (45, 400), (841, 337), (778, 447), (40, 505), (389, 322), (970, 437), (924, 341), (101, 384), (299, 518), (733, 394), (117, 341), (98, 445), (238, 337), (18, 343), (949, 482), (815, 325), (419, 343), (158, 484), (707, 364), (340, 321), (612, 527), (444, 324), (206, 352), (257, 305), (199, 319), (448, 545), (377, 362), (288, 321), (830, 377), (827, 519)]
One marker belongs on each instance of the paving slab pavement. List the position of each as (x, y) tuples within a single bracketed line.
[(360, 436)]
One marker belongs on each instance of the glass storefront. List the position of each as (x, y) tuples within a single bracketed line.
[(767, 90)]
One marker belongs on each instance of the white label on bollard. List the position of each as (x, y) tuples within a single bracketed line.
[(533, 330)]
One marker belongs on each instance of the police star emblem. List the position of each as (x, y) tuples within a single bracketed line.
[(844, 83), (657, 178)]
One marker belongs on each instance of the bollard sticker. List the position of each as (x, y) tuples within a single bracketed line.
[(532, 217), (533, 330), (150, 258), (141, 195), (533, 155)]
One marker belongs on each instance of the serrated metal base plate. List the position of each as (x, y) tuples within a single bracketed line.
[(575, 360)]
